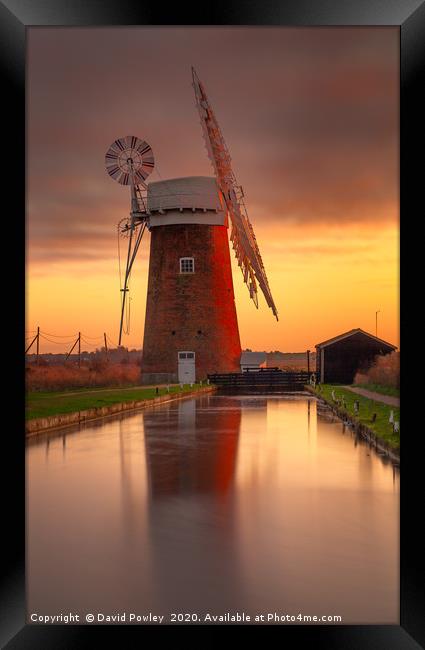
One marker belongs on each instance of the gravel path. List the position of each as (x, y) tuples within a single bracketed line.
[(378, 397)]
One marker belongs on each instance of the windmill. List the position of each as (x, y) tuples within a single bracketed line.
[(191, 326)]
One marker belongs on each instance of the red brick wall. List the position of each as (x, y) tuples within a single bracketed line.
[(199, 307)]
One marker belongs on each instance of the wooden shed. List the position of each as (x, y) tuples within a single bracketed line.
[(338, 359)]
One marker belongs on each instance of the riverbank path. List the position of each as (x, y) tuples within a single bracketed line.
[(378, 397)]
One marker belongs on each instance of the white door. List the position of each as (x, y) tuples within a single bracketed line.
[(186, 367)]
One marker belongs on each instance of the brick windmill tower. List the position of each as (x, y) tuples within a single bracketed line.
[(191, 326)]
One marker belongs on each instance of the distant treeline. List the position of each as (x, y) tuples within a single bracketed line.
[(114, 355), (123, 355)]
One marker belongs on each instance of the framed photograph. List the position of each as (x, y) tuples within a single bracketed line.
[(210, 205)]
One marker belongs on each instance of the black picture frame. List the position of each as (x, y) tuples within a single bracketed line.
[(15, 17)]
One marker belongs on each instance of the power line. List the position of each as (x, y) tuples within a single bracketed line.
[(60, 336), (54, 342), (92, 341), (112, 342), (89, 343)]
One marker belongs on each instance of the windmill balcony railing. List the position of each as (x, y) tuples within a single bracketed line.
[(183, 202)]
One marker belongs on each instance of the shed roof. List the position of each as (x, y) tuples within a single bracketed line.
[(346, 335), (253, 357)]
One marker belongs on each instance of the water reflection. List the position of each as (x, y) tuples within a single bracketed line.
[(216, 504), (191, 472), (195, 452)]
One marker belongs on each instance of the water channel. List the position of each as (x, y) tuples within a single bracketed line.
[(254, 504)]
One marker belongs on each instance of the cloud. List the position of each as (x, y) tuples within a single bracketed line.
[(310, 117)]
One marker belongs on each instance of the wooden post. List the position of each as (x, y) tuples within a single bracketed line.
[(308, 362), (38, 345), (31, 344), (106, 346), (77, 341), (79, 349), (36, 338)]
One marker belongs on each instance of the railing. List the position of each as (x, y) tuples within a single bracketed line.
[(265, 378), (182, 201)]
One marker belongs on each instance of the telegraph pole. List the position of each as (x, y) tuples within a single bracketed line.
[(79, 344), (308, 362), (38, 345), (79, 349), (106, 345), (36, 338), (376, 322)]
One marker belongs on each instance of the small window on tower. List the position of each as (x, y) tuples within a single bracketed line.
[(187, 265)]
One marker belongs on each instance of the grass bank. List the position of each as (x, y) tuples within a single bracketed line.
[(45, 404), (379, 388), (381, 427)]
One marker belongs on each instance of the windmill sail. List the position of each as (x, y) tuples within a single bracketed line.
[(242, 234)]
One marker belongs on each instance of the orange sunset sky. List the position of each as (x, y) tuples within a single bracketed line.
[(310, 117)]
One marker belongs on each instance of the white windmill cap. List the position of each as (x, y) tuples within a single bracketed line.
[(191, 192), (193, 199)]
